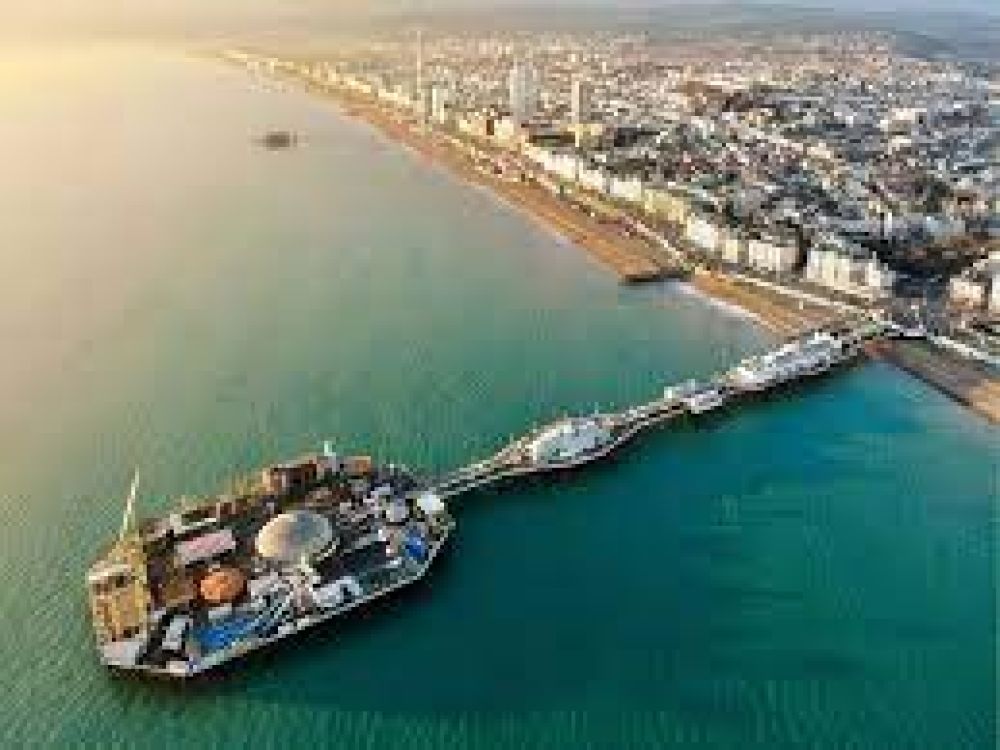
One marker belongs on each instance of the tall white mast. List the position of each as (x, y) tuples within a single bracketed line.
[(128, 517)]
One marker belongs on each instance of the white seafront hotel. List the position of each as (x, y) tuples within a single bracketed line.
[(773, 254), (848, 268)]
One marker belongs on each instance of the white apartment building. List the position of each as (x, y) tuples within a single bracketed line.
[(978, 287), (561, 163), (440, 110), (968, 291), (847, 268), (595, 178), (524, 91), (773, 255), (734, 248), (565, 165), (626, 188), (580, 102), (701, 232)]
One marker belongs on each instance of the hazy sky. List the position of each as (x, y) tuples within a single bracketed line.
[(67, 16)]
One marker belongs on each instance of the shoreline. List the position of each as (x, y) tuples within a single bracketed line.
[(964, 381), (779, 316), (730, 308), (627, 257), (632, 260)]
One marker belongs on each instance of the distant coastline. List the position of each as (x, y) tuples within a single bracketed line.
[(621, 255), (630, 258)]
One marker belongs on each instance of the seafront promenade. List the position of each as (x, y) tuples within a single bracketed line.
[(263, 300), (621, 243), (630, 258), (608, 235)]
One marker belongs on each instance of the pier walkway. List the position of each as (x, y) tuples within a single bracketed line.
[(517, 458)]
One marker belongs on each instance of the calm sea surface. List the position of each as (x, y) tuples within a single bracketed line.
[(814, 570)]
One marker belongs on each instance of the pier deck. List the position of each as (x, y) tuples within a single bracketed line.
[(514, 459), (326, 534)]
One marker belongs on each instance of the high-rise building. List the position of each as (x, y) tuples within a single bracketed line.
[(421, 89), (420, 60), (580, 102), (424, 101), (440, 105), (523, 93)]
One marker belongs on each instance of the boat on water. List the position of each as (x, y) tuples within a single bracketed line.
[(306, 542)]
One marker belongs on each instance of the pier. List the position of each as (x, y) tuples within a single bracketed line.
[(691, 398), (513, 460), (325, 534)]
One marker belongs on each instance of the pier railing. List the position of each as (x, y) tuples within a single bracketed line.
[(515, 460)]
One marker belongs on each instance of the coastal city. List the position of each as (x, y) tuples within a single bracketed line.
[(797, 176), (843, 194), (500, 374)]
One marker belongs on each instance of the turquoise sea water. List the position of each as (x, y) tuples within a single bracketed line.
[(813, 570)]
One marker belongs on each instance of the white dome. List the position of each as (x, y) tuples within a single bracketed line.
[(293, 536)]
